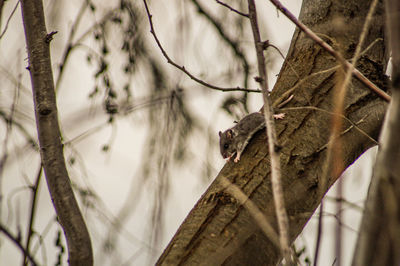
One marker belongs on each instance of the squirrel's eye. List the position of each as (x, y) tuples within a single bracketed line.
[(226, 146)]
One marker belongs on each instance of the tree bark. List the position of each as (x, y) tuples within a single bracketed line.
[(218, 230), (51, 148), (379, 238)]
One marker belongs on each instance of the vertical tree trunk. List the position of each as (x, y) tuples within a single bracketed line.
[(51, 149)]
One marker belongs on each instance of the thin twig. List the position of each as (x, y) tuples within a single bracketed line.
[(336, 126), (182, 68), (343, 200), (333, 146), (70, 45), (223, 34), (319, 233), (338, 227), (17, 242), (287, 93), (100, 23), (232, 9), (330, 50), (252, 208), (35, 193), (283, 221), (290, 91), (267, 44), (332, 113), (8, 20)]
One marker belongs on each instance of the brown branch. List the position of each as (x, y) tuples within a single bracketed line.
[(232, 9), (17, 242), (228, 40), (283, 221), (1, 9), (252, 208), (182, 68), (330, 50), (341, 87), (332, 113), (9, 19), (51, 149), (319, 233), (268, 44), (287, 93), (70, 46), (34, 188)]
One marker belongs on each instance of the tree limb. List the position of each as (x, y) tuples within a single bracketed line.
[(330, 50), (51, 149), (274, 150), (18, 244), (182, 68)]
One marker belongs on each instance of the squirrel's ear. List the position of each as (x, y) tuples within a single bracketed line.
[(220, 133), (229, 133)]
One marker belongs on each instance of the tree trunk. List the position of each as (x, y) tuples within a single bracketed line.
[(51, 149), (219, 230)]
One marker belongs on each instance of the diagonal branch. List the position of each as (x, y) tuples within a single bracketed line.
[(330, 50), (228, 40), (18, 243), (232, 9), (182, 68), (9, 18)]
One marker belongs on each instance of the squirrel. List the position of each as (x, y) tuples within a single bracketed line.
[(234, 140)]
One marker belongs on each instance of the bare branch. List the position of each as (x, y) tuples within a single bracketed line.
[(283, 221), (330, 50), (70, 45), (32, 214), (182, 68), (333, 147), (252, 208), (231, 43), (17, 242), (319, 233), (232, 9), (268, 44), (331, 113), (67, 209), (8, 20)]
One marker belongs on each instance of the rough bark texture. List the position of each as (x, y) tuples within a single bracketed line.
[(218, 230), (51, 150), (379, 238)]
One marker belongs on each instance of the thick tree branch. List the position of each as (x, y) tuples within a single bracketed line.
[(51, 149), (220, 229)]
